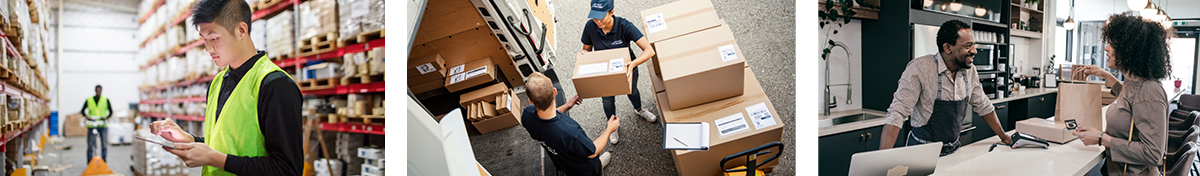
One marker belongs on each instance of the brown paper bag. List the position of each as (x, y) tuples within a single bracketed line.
[(1079, 101)]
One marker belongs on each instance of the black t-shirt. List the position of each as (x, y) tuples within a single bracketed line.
[(623, 34), (568, 146)]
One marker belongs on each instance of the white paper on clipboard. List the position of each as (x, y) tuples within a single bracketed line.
[(686, 136)]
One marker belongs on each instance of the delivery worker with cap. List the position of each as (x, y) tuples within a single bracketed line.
[(935, 91), (605, 31), (97, 110), (252, 125)]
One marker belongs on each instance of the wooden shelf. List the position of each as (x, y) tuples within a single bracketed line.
[(989, 43), (1019, 6), (1025, 34)]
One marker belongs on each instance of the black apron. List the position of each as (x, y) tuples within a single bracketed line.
[(945, 123)]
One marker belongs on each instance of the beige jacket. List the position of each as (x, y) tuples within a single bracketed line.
[(1145, 102)]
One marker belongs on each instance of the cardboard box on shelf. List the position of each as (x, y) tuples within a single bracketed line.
[(503, 103), (73, 126), (678, 18), (488, 93), (370, 153), (470, 74), (701, 67), (601, 73), (371, 169), (497, 123), (736, 124), (424, 69)]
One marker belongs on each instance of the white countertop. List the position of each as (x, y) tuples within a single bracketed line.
[(841, 128), (1072, 158)]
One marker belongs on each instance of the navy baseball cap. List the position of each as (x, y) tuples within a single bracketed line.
[(600, 9)]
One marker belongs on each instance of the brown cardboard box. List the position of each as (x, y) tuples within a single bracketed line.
[(425, 69), (499, 122), (701, 67), (73, 126), (748, 105), (489, 109), (470, 74), (488, 93), (503, 103), (1045, 129), (428, 86), (601, 73), (656, 76), (678, 18)]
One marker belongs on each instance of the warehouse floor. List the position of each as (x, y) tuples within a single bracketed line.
[(119, 158), (765, 32)]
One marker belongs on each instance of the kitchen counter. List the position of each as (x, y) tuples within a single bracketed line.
[(1072, 158), (826, 126)]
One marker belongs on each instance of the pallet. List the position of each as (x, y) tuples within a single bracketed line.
[(365, 119), (317, 84), (318, 44), (361, 79), (363, 37)]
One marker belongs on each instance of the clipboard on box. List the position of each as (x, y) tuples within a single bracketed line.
[(686, 136)]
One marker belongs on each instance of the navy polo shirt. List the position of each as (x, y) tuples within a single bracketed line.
[(568, 146), (623, 34)]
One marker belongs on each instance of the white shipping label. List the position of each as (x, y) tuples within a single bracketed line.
[(732, 124), (359, 8), (476, 72), (426, 68), (616, 65), (457, 78), (760, 115), (655, 23), (457, 69), (510, 107), (727, 53), (592, 68)]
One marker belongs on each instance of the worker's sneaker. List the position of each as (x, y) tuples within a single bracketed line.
[(612, 137), (604, 158), (648, 115)]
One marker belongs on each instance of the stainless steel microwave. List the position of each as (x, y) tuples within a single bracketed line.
[(985, 58)]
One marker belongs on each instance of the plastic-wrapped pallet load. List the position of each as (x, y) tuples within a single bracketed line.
[(317, 18), (258, 34), (279, 40), (375, 19), (357, 16)]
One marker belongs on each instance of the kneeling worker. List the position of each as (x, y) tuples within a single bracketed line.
[(565, 142), (940, 86), (252, 125)]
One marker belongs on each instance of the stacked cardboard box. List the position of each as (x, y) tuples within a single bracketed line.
[(682, 17), (280, 42), (373, 161), (491, 108), (327, 167), (318, 18), (347, 148), (736, 124), (697, 59), (426, 73), (601, 73), (356, 16), (151, 160), (470, 74)]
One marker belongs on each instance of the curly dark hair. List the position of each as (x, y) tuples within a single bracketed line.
[(1140, 45)]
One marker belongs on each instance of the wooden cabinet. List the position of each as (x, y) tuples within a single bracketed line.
[(836, 150)]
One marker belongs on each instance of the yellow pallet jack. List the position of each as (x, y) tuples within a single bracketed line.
[(752, 164)]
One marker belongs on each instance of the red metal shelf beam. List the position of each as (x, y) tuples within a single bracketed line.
[(348, 89), (152, 11), (12, 135), (339, 52), (353, 128), (180, 117)]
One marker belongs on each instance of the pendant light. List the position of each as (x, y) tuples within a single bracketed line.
[(955, 6)]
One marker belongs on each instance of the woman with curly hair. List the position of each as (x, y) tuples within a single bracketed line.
[(1136, 135)]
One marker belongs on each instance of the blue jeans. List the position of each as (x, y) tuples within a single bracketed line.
[(91, 141), (635, 98)]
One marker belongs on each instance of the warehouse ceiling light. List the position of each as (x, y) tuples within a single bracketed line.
[(955, 6), (1137, 4)]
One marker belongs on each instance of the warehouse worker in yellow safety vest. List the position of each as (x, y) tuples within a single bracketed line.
[(252, 125), (97, 110)]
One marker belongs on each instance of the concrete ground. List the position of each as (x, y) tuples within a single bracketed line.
[(765, 32), (119, 158)]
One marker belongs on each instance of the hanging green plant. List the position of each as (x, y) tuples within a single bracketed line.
[(835, 12)]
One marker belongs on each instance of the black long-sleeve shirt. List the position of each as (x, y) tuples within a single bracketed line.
[(278, 118), (84, 111)]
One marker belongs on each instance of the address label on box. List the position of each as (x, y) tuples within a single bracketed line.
[(732, 124), (655, 23), (727, 53), (477, 72), (592, 68), (457, 69), (616, 65), (426, 68), (760, 115)]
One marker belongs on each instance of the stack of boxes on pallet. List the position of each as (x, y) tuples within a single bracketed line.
[(23, 22), (318, 26), (470, 55), (491, 108), (280, 41), (700, 75)]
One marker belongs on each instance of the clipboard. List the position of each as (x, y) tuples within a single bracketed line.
[(686, 136), (157, 140)]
